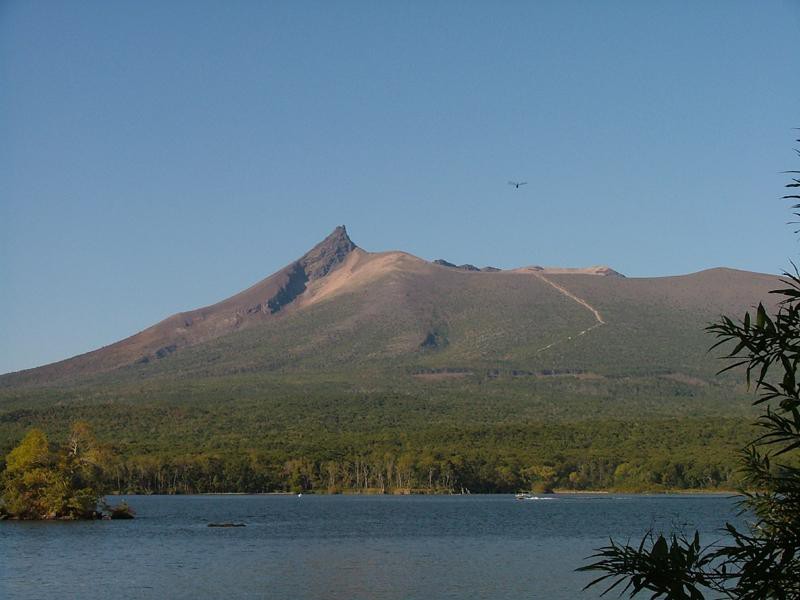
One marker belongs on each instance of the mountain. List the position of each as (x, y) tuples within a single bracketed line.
[(375, 371), (339, 307)]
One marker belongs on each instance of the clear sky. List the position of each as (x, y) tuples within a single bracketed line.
[(160, 156)]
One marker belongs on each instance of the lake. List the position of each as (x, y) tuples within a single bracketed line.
[(339, 547)]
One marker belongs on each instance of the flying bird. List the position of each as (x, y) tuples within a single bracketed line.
[(516, 184)]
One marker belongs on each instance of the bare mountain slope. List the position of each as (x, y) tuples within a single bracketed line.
[(338, 308), (258, 303)]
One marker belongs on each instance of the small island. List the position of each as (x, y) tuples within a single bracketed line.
[(41, 482)]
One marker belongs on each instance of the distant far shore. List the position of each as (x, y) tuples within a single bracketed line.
[(675, 492)]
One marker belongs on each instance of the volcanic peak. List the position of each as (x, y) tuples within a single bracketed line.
[(331, 251), (314, 264)]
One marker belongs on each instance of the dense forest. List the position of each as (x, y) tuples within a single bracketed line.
[(389, 432), (561, 458), (633, 459)]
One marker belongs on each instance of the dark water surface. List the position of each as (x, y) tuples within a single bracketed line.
[(338, 547)]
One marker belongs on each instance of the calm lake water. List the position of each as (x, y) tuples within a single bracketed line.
[(338, 547)]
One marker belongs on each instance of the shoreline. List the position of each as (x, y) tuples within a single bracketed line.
[(694, 492)]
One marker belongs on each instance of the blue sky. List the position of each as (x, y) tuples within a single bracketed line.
[(160, 156)]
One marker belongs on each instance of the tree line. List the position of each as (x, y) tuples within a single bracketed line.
[(577, 456), (406, 473)]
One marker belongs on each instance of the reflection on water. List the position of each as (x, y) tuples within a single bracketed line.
[(338, 547)]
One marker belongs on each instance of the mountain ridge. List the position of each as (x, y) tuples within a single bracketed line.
[(411, 290)]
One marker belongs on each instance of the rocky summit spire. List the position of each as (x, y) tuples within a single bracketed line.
[(331, 251)]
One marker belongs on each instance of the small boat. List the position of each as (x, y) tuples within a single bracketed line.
[(528, 496)]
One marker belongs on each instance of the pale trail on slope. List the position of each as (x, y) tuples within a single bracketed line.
[(581, 301)]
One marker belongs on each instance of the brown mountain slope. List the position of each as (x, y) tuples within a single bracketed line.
[(339, 307), (264, 300)]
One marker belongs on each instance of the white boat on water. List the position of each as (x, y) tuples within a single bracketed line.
[(527, 496)]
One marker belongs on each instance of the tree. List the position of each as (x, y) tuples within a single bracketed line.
[(80, 466), (540, 478), (28, 476), (764, 560)]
